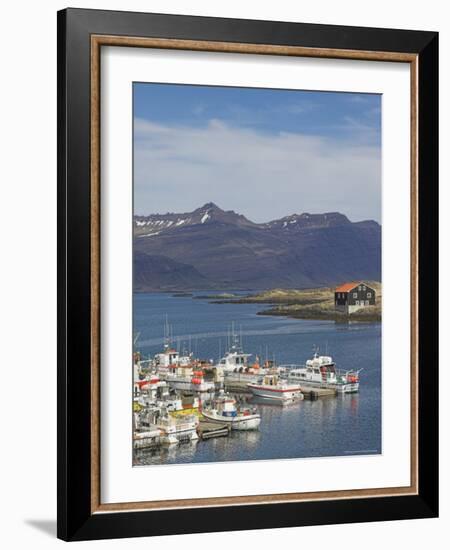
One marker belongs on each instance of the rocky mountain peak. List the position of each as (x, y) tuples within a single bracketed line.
[(213, 248), (307, 220)]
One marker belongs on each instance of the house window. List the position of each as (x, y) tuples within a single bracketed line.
[(360, 287), (364, 287), (367, 302), (357, 302), (355, 295), (369, 295)]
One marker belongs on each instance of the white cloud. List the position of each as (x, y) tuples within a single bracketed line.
[(261, 175)]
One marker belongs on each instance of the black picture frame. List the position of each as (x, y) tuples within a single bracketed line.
[(75, 518)]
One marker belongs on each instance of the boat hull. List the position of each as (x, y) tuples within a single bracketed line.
[(286, 394), (240, 423), (340, 388), (187, 385), (348, 388)]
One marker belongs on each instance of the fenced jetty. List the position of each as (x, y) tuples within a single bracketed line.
[(237, 386), (316, 393), (208, 430)]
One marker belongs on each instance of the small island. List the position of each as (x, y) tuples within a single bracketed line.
[(219, 298), (312, 303)]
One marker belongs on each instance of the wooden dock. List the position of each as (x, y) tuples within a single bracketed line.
[(237, 386), (208, 430), (316, 393)]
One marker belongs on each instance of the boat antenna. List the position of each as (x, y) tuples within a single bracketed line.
[(166, 331)]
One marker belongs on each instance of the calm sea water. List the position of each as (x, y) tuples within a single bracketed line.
[(345, 425)]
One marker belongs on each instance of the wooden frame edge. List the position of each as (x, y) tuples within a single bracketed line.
[(261, 49), (95, 273), (414, 273)]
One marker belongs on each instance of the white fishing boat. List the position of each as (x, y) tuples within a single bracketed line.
[(146, 439), (181, 372), (235, 365), (151, 387), (271, 387), (234, 360), (223, 410), (321, 371), (177, 430), (185, 378)]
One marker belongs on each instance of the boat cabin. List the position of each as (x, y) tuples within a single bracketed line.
[(225, 405), (320, 369), (234, 360), (270, 380), (168, 357)]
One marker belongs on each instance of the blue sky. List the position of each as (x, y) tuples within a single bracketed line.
[(264, 153)]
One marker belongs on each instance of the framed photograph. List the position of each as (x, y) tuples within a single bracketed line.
[(247, 274)]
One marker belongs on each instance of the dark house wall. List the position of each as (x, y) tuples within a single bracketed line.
[(360, 293), (340, 298)]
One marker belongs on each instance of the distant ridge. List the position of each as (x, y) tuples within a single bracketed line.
[(210, 248)]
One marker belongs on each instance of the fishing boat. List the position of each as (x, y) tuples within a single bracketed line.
[(272, 387), (235, 366), (181, 372), (321, 371), (185, 378), (177, 430), (235, 360), (223, 410), (151, 387), (147, 439)]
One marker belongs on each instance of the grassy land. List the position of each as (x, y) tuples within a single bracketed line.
[(314, 303)]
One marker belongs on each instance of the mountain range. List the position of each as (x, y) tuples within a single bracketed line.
[(210, 248)]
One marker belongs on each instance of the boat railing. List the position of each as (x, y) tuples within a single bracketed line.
[(292, 366), (342, 372)]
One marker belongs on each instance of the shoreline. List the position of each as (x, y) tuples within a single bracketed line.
[(308, 304), (316, 304), (336, 317)]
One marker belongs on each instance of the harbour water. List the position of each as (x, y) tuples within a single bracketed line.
[(335, 426)]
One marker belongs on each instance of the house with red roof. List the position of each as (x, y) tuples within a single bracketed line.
[(350, 297)]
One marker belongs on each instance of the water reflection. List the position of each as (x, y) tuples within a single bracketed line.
[(333, 426)]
